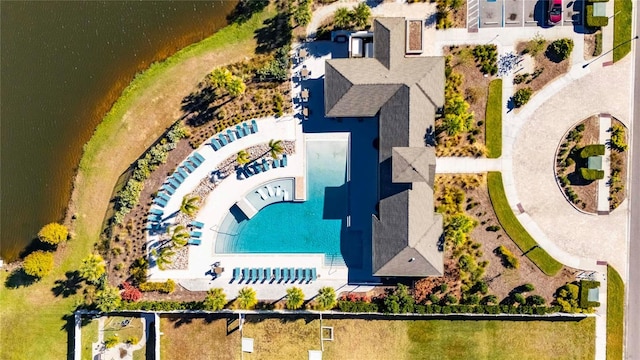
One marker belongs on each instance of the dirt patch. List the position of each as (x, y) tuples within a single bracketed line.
[(548, 69), (568, 162)]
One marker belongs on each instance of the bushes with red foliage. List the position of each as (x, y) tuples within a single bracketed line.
[(130, 292)]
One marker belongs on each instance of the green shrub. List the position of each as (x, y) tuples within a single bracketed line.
[(618, 138), (486, 56), (357, 306), (522, 96), (132, 340), (520, 78), (489, 299), (527, 287), (493, 228), (294, 298), (38, 264), (560, 49), (519, 298), (510, 260), (535, 45), (53, 233), (434, 298), (592, 150), (564, 181), (215, 300), (594, 21), (166, 287), (591, 174), (111, 341), (535, 300), (597, 50), (450, 299), (162, 305)]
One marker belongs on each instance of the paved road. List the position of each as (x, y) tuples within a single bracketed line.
[(632, 328)]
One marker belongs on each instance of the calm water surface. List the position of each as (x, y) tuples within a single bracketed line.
[(62, 65)]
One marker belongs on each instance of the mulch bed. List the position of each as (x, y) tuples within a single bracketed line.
[(622, 160), (552, 70)]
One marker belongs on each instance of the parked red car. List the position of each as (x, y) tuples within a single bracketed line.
[(555, 11)]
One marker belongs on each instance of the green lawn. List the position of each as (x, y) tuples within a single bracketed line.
[(515, 230), (493, 118), (621, 28), (292, 337), (34, 312), (615, 314), (89, 336)]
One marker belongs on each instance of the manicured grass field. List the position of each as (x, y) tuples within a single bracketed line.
[(89, 336), (493, 118), (622, 28), (34, 311), (615, 314), (515, 230), (292, 338), (112, 327)]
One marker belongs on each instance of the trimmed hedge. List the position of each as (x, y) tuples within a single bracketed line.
[(592, 150), (591, 174), (585, 285), (166, 287), (162, 305), (508, 257), (594, 21)]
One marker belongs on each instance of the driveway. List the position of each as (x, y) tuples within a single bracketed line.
[(590, 236)]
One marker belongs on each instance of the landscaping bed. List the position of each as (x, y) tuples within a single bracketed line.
[(548, 69), (619, 159), (579, 192)]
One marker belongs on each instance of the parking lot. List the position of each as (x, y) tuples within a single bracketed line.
[(517, 13)]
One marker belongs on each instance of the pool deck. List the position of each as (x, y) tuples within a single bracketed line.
[(198, 276)]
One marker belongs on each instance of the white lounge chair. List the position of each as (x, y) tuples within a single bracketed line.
[(270, 190), (262, 194)]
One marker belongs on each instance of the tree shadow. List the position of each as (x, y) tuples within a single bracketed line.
[(275, 34), (430, 136), (36, 245), (68, 286), (18, 278), (245, 10)]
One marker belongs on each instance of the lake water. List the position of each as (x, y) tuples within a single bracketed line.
[(63, 64)]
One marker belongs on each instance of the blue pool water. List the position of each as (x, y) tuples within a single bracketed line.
[(312, 226)]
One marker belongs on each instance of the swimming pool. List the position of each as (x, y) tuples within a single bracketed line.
[(312, 226)]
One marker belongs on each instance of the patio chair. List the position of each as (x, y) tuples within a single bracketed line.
[(173, 182), (236, 274), (157, 212), (293, 274), (194, 161), (246, 129), (190, 168), (193, 241), (276, 274), (215, 144), (168, 189), (198, 157), (278, 191), (260, 192), (222, 139), (196, 234), (283, 163), (248, 171), (254, 126), (257, 168), (270, 190), (183, 173), (253, 275), (314, 276), (239, 131), (276, 163), (286, 196), (197, 224), (160, 202), (265, 164), (307, 275), (260, 274), (179, 178), (164, 196), (231, 136), (285, 275), (245, 274)]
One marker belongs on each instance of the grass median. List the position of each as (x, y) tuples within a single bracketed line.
[(615, 314), (623, 10), (514, 228), (145, 109), (493, 118)]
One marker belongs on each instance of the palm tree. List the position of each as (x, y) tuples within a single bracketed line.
[(243, 157), (295, 298), (247, 298), (326, 298), (361, 14), (163, 257), (275, 147), (179, 236), (342, 18), (302, 14), (216, 299), (189, 205), (92, 268)]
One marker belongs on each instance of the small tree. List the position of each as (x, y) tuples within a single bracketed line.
[(302, 15), (243, 157), (179, 235), (247, 298), (53, 233), (361, 14), (108, 299), (275, 148), (219, 78), (326, 298), (38, 264), (560, 49), (295, 298), (522, 96), (216, 299), (111, 341), (189, 205), (342, 18), (163, 257), (130, 293), (92, 268), (236, 86)]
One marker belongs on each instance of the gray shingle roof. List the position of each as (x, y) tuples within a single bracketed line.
[(404, 92)]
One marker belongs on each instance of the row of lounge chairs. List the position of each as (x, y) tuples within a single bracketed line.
[(252, 275), (223, 139), (195, 238), (257, 167), (277, 192), (179, 176)]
